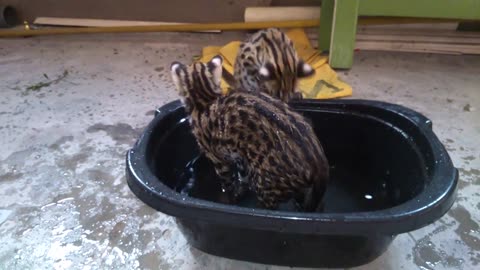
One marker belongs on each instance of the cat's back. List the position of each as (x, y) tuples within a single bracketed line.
[(256, 120)]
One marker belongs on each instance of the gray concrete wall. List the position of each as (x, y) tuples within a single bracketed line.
[(147, 10)]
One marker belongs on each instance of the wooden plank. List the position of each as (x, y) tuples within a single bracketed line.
[(419, 38), (388, 21), (412, 26), (418, 47), (362, 45), (262, 14), (409, 50), (343, 33), (454, 43), (447, 9), (101, 23), (421, 32), (426, 34)]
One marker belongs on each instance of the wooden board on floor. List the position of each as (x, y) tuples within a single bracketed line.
[(411, 26), (429, 38), (398, 46), (419, 38), (421, 32), (405, 46)]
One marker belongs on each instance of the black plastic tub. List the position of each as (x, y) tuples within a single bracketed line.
[(390, 175)]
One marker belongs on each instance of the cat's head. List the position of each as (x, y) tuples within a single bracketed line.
[(281, 65), (198, 84)]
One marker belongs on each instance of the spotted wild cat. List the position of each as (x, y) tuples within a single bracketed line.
[(268, 62), (277, 151)]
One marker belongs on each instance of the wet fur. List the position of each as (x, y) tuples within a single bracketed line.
[(275, 149)]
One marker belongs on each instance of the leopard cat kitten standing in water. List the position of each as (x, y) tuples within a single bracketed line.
[(268, 62), (277, 150)]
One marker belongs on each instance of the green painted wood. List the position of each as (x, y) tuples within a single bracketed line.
[(441, 9), (344, 29), (325, 28)]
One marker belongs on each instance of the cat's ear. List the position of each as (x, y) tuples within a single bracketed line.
[(267, 72), (304, 70), (215, 67), (176, 68)]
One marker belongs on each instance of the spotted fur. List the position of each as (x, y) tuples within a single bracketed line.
[(276, 150), (268, 62)]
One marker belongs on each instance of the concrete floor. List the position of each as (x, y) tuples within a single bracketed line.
[(64, 200)]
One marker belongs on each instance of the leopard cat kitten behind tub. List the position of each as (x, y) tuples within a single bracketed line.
[(277, 150), (268, 62)]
